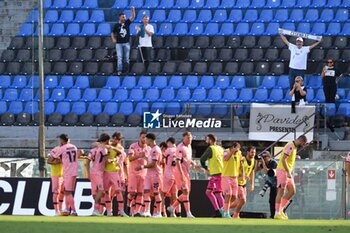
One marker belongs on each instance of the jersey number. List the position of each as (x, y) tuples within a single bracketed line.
[(72, 158)]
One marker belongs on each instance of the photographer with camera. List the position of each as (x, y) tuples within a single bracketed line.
[(268, 165)]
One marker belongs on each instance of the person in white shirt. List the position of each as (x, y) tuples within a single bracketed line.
[(298, 57), (145, 32)]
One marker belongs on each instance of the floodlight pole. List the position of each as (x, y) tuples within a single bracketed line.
[(42, 91)]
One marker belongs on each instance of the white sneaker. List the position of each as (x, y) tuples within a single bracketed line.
[(96, 213), (226, 215), (158, 215), (171, 211), (147, 214), (57, 213), (172, 215), (109, 214), (123, 214), (190, 215)]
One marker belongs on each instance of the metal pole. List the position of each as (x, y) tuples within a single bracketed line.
[(42, 91)]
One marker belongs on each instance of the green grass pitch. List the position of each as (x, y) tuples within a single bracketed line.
[(36, 224)]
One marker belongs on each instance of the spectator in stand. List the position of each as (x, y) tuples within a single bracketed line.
[(145, 32), (329, 77), (121, 36), (298, 93)]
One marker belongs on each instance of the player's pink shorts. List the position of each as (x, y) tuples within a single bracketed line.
[(214, 183), (56, 184), (282, 180), (169, 185), (69, 183), (96, 183), (186, 185), (110, 181), (229, 185), (153, 183), (242, 193), (136, 183), (121, 183)]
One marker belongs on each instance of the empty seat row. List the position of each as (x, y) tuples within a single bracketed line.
[(68, 16), (73, 4)]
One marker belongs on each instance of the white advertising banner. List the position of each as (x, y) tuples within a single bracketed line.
[(270, 122), (17, 167)]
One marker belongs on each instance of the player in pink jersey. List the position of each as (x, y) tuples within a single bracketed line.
[(184, 163), (98, 157), (69, 154), (138, 154), (347, 169), (169, 160)]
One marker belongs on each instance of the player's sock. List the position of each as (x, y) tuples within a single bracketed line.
[(187, 204), (54, 201), (278, 208), (72, 204), (284, 203), (109, 206), (213, 200), (236, 214), (227, 207), (147, 202), (60, 200), (220, 199), (120, 201), (139, 201), (178, 210), (97, 206), (158, 202)]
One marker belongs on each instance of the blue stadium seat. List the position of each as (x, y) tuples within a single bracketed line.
[(314, 82), (311, 15), (242, 3), (74, 4), (341, 93), (176, 82), (73, 29), (238, 82), (326, 15), (276, 95), (310, 95), (266, 15), (51, 16), (136, 3), (79, 108), (289, 26), (105, 95), (66, 82), (281, 15), (257, 29), (3, 107), (152, 95), (333, 29), (345, 3), (304, 27), (206, 82), (34, 82), (346, 29), (57, 29), (158, 16), (246, 95), (230, 95), (120, 95), (242, 29), (182, 4), (19, 81), (220, 110), (268, 82), (82, 16), (51, 81), (33, 17), (126, 108), (288, 3), (320, 97), (16, 107), (113, 82), (88, 29), (199, 95), (197, 4), (145, 82), (212, 4), (174, 16), (45, 32), (67, 16), (168, 94), (27, 29), (82, 82), (226, 29), (49, 108), (57, 95), (181, 29), (260, 96), (191, 82), (90, 94), (103, 29), (173, 108), (287, 98), (47, 3), (27, 94), (342, 15), (296, 15), (151, 3), (236, 15), (97, 16), (211, 29), (273, 3), (165, 29), (283, 82), (227, 4), (5, 81), (59, 4), (183, 95), (141, 14), (129, 82), (165, 4), (160, 82), (158, 106), (303, 3), (73, 95), (272, 29), (140, 108), (222, 82), (330, 109), (251, 15), (63, 108), (319, 28), (120, 4), (257, 4), (204, 110), (30, 107), (214, 95), (204, 16), (220, 15), (91, 4), (94, 108), (46, 95), (189, 16), (111, 108), (334, 3), (344, 109)]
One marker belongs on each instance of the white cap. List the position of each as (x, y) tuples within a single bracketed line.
[(300, 39)]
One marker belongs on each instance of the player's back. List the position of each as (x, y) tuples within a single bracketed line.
[(56, 169), (184, 154), (170, 161), (98, 156), (155, 155), (69, 155)]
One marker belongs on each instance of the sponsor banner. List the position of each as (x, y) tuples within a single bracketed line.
[(10, 167), (270, 122)]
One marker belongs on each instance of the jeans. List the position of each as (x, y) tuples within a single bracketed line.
[(294, 73), (123, 54)]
